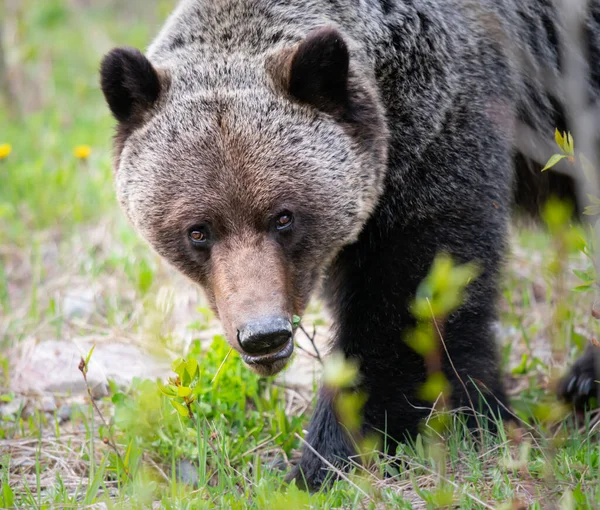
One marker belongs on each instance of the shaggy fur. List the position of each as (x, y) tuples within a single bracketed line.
[(389, 128)]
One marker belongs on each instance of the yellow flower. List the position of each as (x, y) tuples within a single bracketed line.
[(5, 150), (82, 151)]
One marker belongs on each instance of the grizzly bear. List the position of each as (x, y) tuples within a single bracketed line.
[(269, 150)]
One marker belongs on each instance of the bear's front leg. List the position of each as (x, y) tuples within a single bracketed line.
[(328, 438)]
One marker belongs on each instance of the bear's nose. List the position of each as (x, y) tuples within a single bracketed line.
[(264, 335)]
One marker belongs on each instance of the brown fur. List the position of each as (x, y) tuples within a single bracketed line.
[(233, 159)]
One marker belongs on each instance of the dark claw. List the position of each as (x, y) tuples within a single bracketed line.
[(571, 385), (579, 385), (585, 386)]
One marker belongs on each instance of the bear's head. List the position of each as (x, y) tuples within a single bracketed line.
[(249, 175)]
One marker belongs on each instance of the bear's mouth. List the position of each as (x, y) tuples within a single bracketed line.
[(270, 364)]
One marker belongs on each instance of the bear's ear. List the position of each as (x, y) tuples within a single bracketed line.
[(318, 70), (129, 82)]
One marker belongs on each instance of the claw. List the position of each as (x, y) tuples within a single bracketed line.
[(571, 385), (585, 386)]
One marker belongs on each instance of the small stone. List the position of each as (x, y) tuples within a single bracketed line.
[(539, 292), (28, 410), (279, 463), (187, 473), (16, 406), (79, 303), (64, 413), (99, 391), (47, 404)]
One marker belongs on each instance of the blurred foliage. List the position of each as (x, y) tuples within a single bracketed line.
[(59, 169)]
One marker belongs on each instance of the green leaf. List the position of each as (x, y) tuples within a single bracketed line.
[(94, 486), (127, 457), (181, 409), (554, 159), (166, 390), (88, 357), (550, 412), (145, 276), (118, 398), (339, 372), (442, 291), (296, 321), (191, 369), (569, 145), (522, 367), (443, 497), (178, 366), (560, 141), (184, 391), (583, 275), (579, 495), (583, 288), (348, 406), (557, 214), (422, 339), (436, 385), (8, 496)]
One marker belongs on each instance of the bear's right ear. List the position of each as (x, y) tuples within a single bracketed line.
[(131, 85)]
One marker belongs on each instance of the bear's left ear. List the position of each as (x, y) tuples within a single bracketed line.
[(316, 72), (131, 85)]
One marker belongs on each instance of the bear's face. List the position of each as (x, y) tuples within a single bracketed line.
[(250, 192)]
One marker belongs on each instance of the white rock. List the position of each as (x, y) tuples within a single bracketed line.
[(12, 408), (47, 404), (79, 303), (53, 367), (64, 412)]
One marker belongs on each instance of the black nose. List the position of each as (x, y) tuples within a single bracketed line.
[(265, 335)]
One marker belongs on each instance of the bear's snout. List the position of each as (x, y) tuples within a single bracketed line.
[(255, 300), (265, 336), (266, 344)]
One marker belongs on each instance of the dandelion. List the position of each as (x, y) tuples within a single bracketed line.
[(5, 150), (82, 152)]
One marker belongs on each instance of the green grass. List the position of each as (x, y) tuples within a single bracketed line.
[(60, 229), (55, 51)]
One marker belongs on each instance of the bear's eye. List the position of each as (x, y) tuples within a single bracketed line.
[(284, 220), (198, 235)]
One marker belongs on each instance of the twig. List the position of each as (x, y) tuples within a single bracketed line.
[(311, 339), (260, 445), (441, 339), (191, 416), (309, 354), (594, 423), (110, 441), (158, 469), (332, 467), (410, 461)]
